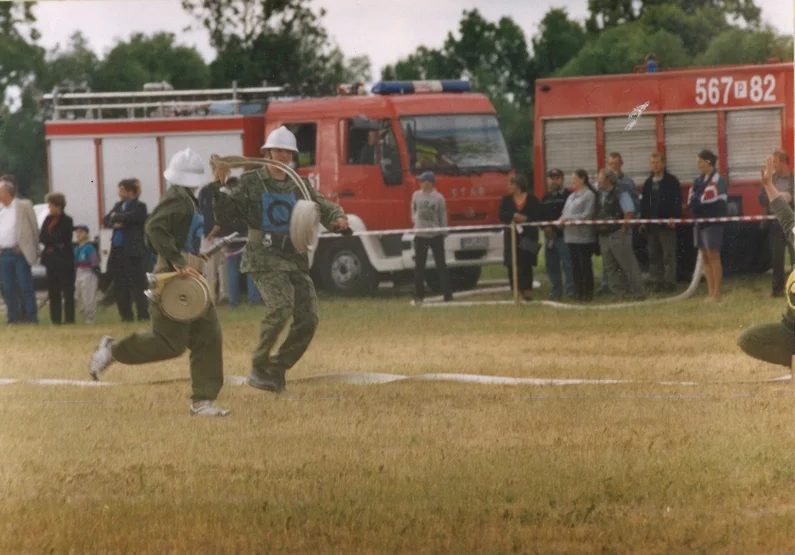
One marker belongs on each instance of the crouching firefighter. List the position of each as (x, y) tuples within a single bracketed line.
[(263, 200), (174, 232), (774, 342)]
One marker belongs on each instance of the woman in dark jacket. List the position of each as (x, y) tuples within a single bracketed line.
[(520, 206), (59, 259)]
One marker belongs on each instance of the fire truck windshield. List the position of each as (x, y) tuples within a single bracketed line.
[(456, 144)]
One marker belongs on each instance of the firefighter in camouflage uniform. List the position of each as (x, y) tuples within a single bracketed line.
[(174, 232), (263, 201)]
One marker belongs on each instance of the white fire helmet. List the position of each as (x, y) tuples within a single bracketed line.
[(186, 169), (281, 138)]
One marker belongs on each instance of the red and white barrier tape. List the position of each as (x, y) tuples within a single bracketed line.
[(476, 228)]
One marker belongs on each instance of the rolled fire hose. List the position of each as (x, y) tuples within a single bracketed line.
[(183, 299), (790, 290), (180, 299), (305, 216)]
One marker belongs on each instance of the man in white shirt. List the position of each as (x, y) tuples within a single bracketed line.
[(18, 252)]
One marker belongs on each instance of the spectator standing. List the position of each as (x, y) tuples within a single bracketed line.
[(627, 185), (662, 199), (429, 211), (87, 277), (128, 255), (556, 253), (59, 260), (19, 247), (708, 199), (518, 207), (215, 268), (615, 240), (785, 185), (580, 239), (233, 253)]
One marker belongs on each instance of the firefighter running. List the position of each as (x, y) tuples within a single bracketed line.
[(263, 200), (174, 232)]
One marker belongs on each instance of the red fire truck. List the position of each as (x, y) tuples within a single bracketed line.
[(364, 151), (742, 113)]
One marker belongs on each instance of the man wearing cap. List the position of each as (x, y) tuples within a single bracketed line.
[(429, 212), (556, 253), (263, 201), (174, 232)]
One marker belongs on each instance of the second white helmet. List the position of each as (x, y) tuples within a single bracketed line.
[(281, 138), (186, 169)]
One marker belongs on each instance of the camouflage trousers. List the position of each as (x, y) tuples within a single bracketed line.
[(286, 291), (169, 339)]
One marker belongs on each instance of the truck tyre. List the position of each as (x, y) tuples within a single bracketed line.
[(345, 270), (461, 279)]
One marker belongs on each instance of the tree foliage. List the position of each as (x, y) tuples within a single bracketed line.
[(741, 46), (604, 14), (75, 65), (558, 40), (619, 49), (242, 21), (143, 59), (20, 57)]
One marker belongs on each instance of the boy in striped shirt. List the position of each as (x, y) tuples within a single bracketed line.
[(87, 279)]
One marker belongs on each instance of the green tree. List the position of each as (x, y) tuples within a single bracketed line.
[(20, 57), (604, 14), (76, 64), (22, 151), (281, 42), (558, 40), (143, 59), (696, 28), (619, 49), (359, 69), (742, 46), (242, 21)]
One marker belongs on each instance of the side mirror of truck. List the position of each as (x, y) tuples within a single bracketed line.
[(390, 168)]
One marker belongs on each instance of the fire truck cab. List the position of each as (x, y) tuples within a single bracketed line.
[(363, 151), (742, 113)]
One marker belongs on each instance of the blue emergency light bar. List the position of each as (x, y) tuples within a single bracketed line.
[(412, 87)]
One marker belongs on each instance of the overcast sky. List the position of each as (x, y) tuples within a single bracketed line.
[(385, 30)]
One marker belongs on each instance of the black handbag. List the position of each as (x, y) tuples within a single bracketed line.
[(529, 245)]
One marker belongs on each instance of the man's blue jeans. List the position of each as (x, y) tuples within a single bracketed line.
[(17, 278), (556, 257), (233, 281)]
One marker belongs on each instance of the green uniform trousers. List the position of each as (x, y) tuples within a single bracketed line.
[(286, 291), (169, 339), (769, 342)]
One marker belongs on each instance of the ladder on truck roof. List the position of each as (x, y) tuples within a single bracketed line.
[(150, 103)]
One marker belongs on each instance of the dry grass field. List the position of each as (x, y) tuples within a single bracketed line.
[(413, 467)]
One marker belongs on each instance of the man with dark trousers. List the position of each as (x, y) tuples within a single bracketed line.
[(662, 200), (127, 253), (556, 253)]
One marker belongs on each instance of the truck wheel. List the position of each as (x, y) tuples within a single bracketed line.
[(347, 271), (461, 279)]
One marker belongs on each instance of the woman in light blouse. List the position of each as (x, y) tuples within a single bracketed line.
[(581, 239)]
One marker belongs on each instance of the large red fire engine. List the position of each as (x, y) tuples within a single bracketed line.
[(364, 151), (742, 113)]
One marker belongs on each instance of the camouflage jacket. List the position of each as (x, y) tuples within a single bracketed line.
[(253, 202), (786, 218), (175, 226)]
